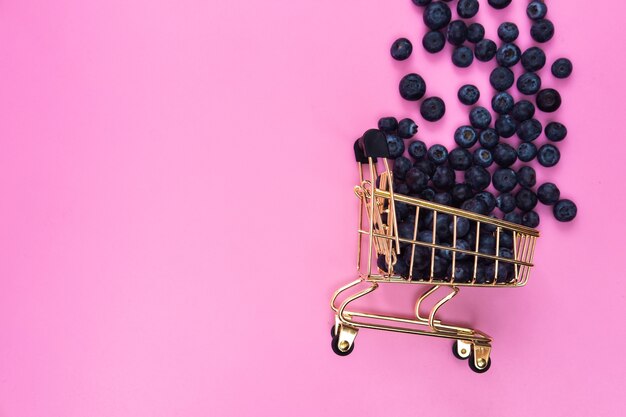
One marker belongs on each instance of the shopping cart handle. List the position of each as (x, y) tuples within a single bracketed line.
[(375, 144), (359, 153)]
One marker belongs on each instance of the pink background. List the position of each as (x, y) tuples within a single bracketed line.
[(176, 209)]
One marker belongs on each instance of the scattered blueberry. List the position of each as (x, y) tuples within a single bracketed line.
[(460, 193), (467, 8), (438, 154), (444, 177), (437, 15), (548, 100), (561, 68), (412, 87), (457, 32), (508, 55), (465, 136), (388, 124), (513, 217), (407, 128), (483, 157), (530, 219), (462, 227), (505, 202), (443, 198), (462, 56), (542, 30), (504, 155), (488, 199), (565, 210), (415, 179), (502, 103), (480, 118), (468, 94), (477, 177), (421, 2), (475, 33), (529, 130), (536, 10), (489, 138), (523, 110), (475, 206), (548, 193), (508, 31), (401, 49), (395, 145), (460, 159), (417, 149), (433, 41), (556, 131), (501, 78), (426, 166), (533, 59), (499, 4), (505, 126), (548, 155), (485, 50), (401, 166), (528, 83), (526, 176), (504, 180), (432, 109), (526, 151), (428, 194)]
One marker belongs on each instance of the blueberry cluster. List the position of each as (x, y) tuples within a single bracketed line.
[(485, 154)]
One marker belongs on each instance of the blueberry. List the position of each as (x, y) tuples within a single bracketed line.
[(536, 10), (485, 50), (467, 8), (506, 126), (460, 159), (428, 194), (462, 227), (457, 32), (432, 109), (533, 59), (381, 263), (508, 55), (443, 226), (463, 271), (505, 202), (523, 110), (499, 4), (513, 217), (412, 87), (465, 136), (526, 151), (487, 198), (475, 206), (528, 83), (527, 177), (501, 78), (548, 155), (387, 124), (444, 177), (438, 154), (461, 193), (468, 94), (529, 130), (489, 138), (401, 49), (565, 210), (443, 198), (504, 180), (477, 177), (462, 56), (421, 2), (400, 188), (508, 31), (475, 33), (417, 149), (556, 131), (407, 128), (530, 219), (548, 193), (483, 157), (502, 103), (561, 68), (440, 267), (402, 211), (548, 100), (426, 166), (480, 118), (525, 199), (401, 166), (405, 231), (416, 180), (542, 30), (395, 145), (437, 15), (504, 154), (433, 41), (425, 236)]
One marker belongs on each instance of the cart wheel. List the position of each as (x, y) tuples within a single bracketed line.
[(455, 351), (335, 345), (473, 366), (332, 331)]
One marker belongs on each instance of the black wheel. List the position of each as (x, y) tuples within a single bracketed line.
[(332, 331), (335, 345), (455, 351), (473, 366)]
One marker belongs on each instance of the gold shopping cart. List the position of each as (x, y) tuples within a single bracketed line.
[(505, 262)]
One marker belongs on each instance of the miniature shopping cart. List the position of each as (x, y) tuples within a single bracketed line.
[(490, 268)]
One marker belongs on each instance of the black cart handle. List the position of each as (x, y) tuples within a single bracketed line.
[(372, 144)]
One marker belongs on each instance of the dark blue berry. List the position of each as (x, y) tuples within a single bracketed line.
[(444, 177), (528, 83), (475, 33), (432, 109), (477, 177), (462, 56), (438, 154), (489, 138), (508, 55), (499, 4), (513, 217), (426, 166), (433, 41), (461, 193), (428, 194), (421, 2), (487, 198), (400, 188), (529, 130), (530, 219), (443, 198), (525, 199), (526, 151), (412, 87), (533, 59), (542, 30), (457, 32), (561, 68), (407, 128), (467, 8), (556, 131), (548, 100), (548, 193), (506, 126), (387, 124), (417, 149), (523, 110), (502, 103), (504, 154), (401, 49), (548, 155), (536, 10), (483, 157), (501, 78), (505, 202), (504, 180), (468, 94), (485, 50), (480, 118), (460, 159), (440, 267), (462, 226), (508, 31), (437, 15), (395, 145), (475, 206), (565, 210), (463, 271), (416, 180), (465, 136), (401, 166)]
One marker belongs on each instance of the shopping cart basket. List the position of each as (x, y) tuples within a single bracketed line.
[(507, 265)]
